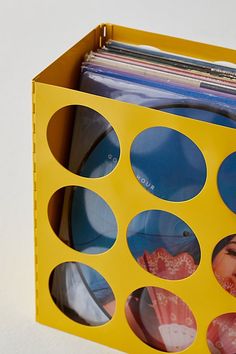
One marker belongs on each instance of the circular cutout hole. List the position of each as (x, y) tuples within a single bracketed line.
[(82, 294), (226, 181), (168, 164), (83, 141), (161, 319), (224, 263), (82, 220), (221, 334), (163, 244)]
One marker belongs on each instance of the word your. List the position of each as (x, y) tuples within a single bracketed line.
[(145, 182), (141, 179)]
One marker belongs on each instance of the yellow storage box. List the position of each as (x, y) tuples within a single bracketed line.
[(206, 213)]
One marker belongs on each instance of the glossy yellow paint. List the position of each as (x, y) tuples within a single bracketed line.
[(206, 213)]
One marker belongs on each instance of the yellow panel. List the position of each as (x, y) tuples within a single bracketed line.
[(206, 213)]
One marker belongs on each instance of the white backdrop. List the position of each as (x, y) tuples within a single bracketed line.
[(33, 34)]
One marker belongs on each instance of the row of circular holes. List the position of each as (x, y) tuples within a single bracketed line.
[(180, 164), (161, 242), (158, 317)]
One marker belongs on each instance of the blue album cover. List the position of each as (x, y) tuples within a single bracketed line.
[(166, 164)]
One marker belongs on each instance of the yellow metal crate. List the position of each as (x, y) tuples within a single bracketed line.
[(206, 213)]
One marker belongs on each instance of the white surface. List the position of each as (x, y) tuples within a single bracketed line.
[(33, 34)]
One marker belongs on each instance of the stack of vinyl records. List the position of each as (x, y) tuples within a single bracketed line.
[(159, 241)]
